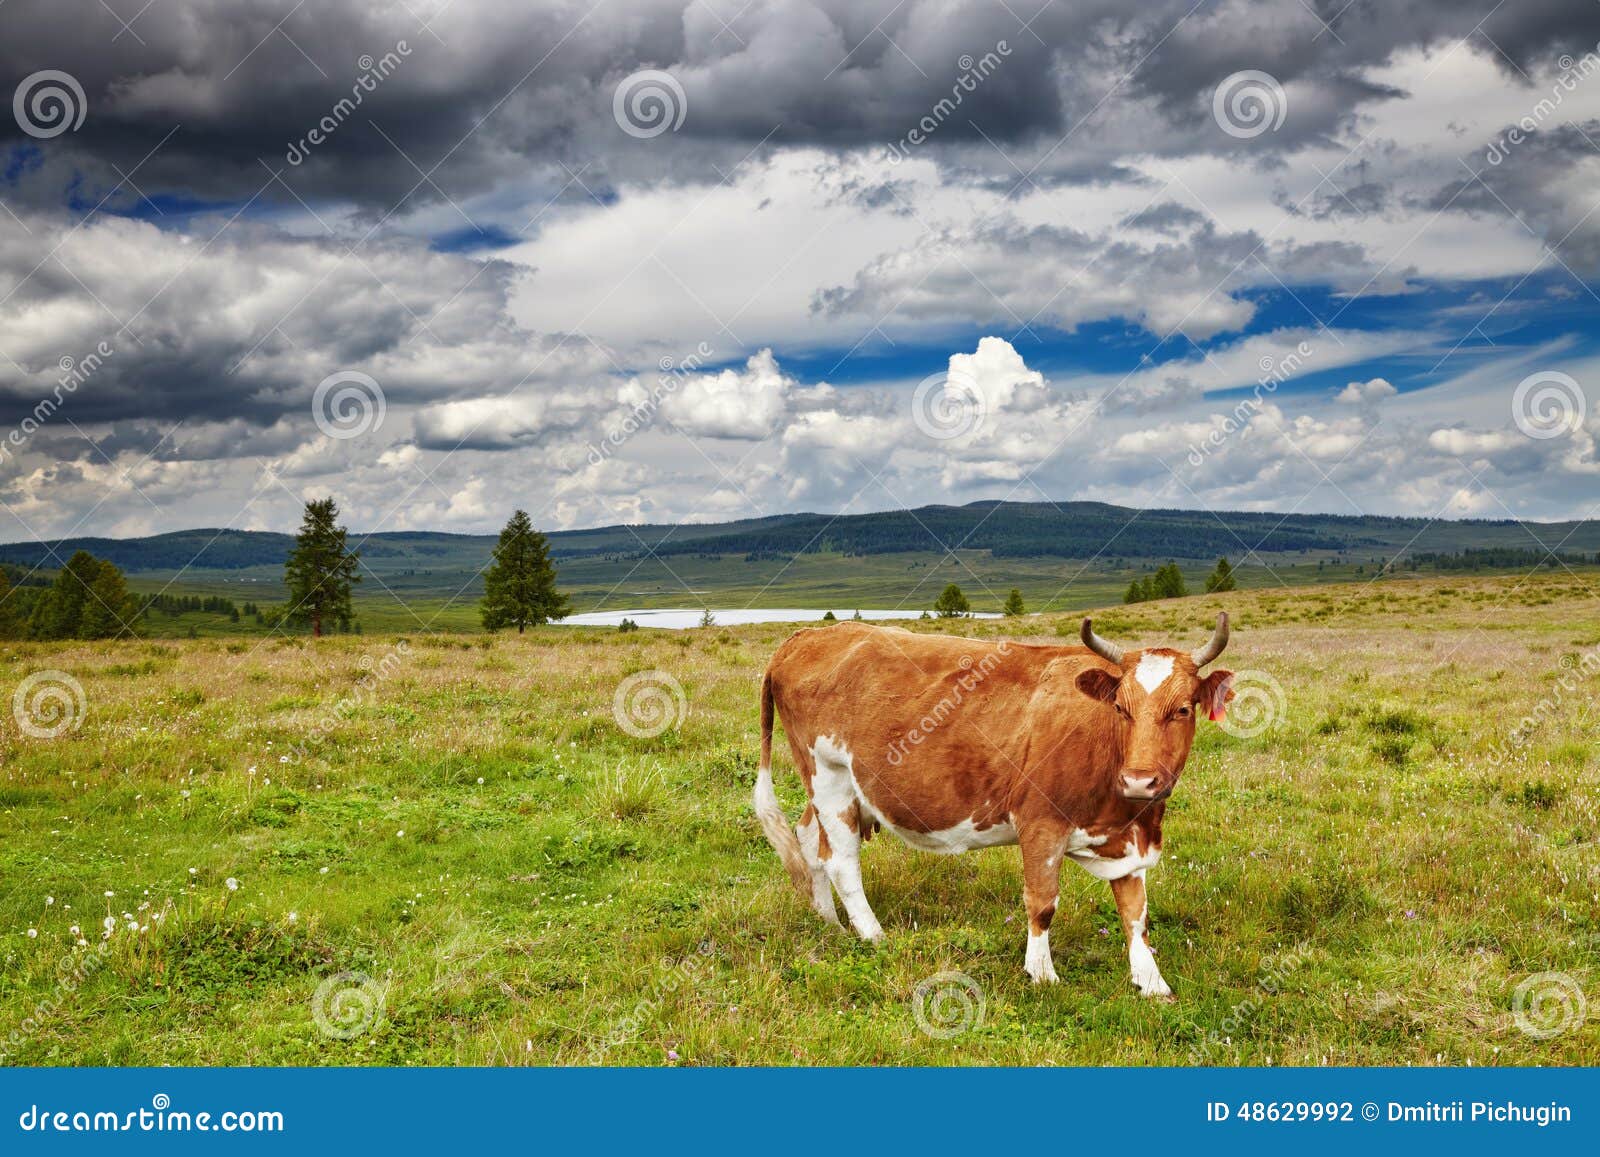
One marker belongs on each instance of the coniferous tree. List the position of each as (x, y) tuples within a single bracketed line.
[(1014, 606), (1222, 578), (321, 570), (109, 610), (519, 589), (951, 603), (1135, 593), (1169, 582), (13, 623)]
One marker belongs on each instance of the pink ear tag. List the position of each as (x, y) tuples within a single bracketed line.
[(1218, 713)]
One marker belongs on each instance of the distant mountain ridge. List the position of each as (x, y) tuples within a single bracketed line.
[(1077, 530)]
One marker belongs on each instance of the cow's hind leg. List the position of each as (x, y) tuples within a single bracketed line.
[(1135, 913), (809, 829), (833, 794)]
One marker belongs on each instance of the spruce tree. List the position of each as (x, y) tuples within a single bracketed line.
[(321, 570), (520, 588), (1222, 578), (1014, 606), (109, 611), (1135, 593)]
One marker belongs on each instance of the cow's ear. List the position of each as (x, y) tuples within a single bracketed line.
[(1215, 691), (1098, 683)]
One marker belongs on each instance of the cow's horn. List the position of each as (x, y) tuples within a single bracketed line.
[(1219, 640), (1099, 646)]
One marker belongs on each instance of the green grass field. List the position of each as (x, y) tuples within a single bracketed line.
[(462, 821)]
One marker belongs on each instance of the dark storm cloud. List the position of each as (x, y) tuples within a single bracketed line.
[(489, 94)]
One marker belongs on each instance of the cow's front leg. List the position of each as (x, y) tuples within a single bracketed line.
[(1135, 913), (1041, 883)]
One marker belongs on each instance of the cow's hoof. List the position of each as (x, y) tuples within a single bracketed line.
[(1156, 990), (1040, 971)]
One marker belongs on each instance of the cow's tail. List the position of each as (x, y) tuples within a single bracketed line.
[(773, 822)]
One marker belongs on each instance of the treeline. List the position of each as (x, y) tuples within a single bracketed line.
[(1496, 558), (89, 599), (1011, 531)]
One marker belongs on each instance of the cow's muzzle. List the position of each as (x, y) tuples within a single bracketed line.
[(1142, 786)]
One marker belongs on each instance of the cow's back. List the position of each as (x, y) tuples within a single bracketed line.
[(928, 722)]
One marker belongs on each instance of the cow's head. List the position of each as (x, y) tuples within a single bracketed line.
[(1156, 693)]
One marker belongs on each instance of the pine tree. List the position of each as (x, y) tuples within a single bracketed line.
[(951, 603), (1014, 606), (320, 570), (1222, 578), (109, 611), (520, 588), (1135, 593)]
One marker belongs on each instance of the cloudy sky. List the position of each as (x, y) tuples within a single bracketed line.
[(639, 261)]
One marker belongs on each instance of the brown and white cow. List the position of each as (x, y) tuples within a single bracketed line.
[(953, 744)]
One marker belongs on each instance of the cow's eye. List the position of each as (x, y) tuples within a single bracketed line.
[(1122, 711), (1181, 713)]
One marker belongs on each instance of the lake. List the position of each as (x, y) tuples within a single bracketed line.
[(677, 620)]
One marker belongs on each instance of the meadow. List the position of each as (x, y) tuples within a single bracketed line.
[(450, 849)]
